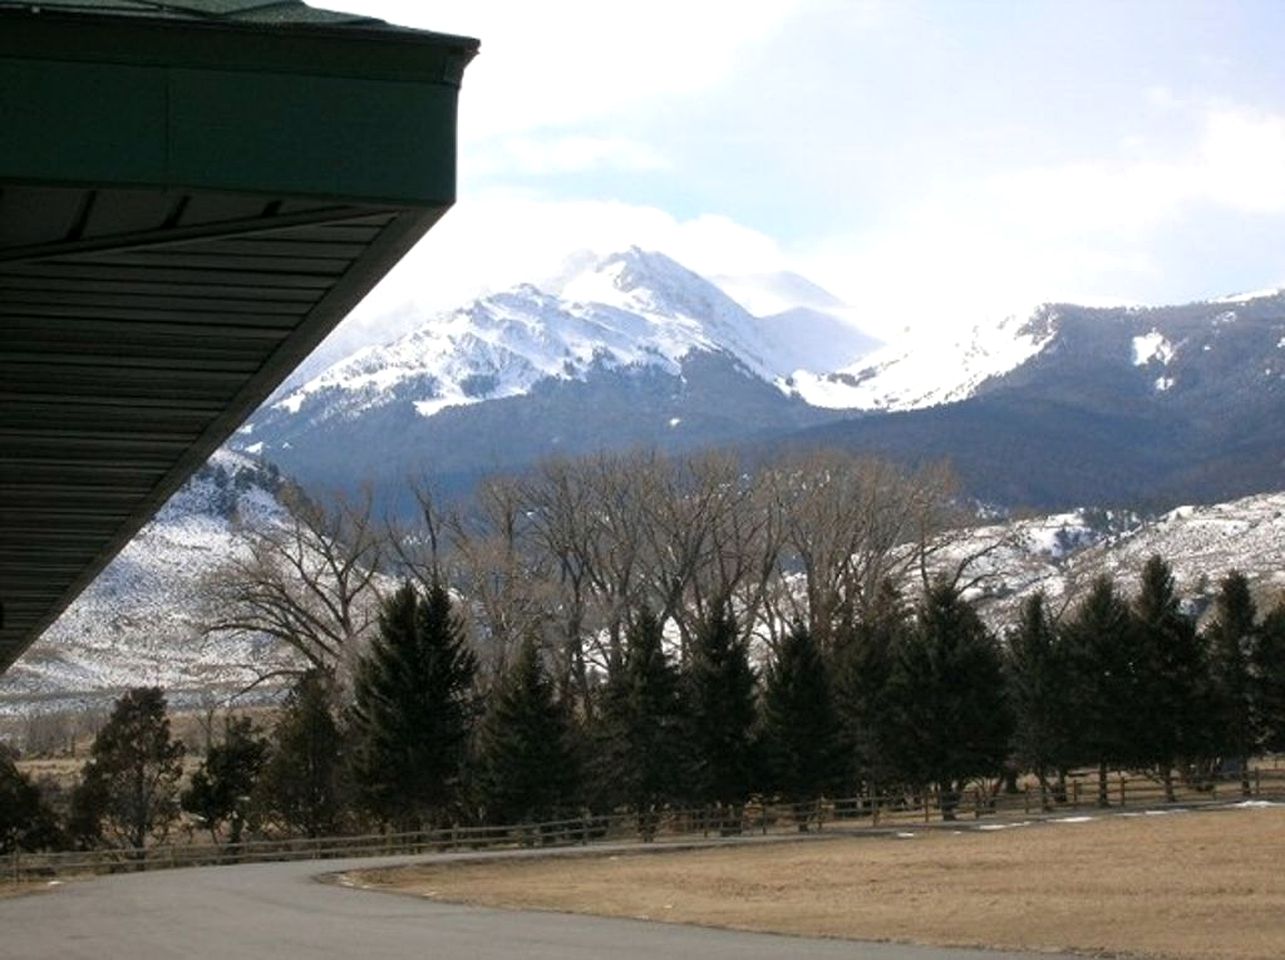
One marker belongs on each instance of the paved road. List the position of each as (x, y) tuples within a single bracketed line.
[(277, 911)]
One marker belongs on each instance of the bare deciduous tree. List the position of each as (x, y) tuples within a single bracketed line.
[(309, 580)]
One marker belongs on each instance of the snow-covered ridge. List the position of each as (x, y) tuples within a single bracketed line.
[(930, 370), (1248, 296), (627, 309)]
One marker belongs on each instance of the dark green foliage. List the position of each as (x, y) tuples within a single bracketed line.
[(221, 789), (1231, 639), (799, 729), (1100, 642), (413, 710), (950, 722), (1039, 694), (721, 694), (26, 820), (1269, 679), (1172, 693), (644, 758), (865, 654), (527, 770), (302, 786), (128, 792)]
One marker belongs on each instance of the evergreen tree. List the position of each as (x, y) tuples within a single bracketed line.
[(865, 653), (222, 786), (1038, 675), (129, 788), (527, 767), (26, 820), (1173, 694), (1269, 679), (721, 694), (1100, 649), (950, 719), (413, 709), (799, 729), (643, 716), (1231, 639), (302, 784)]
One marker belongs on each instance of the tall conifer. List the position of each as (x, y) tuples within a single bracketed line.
[(1231, 639), (799, 731), (413, 709), (527, 766), (721, 690)]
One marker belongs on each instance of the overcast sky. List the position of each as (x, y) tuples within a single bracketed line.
[(932, 163)]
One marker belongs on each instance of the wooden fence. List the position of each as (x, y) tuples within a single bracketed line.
[(877, 811)]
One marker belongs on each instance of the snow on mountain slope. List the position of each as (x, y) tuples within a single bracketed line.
[(633, 308), (139, 622), (929, 370), (1062, 554)]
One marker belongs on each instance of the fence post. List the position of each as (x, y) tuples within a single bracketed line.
[(1075, 794), (1026, 799), (1123, 781), (875, 814), (1258, 782)]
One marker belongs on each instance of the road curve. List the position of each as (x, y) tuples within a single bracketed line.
[(278, 910)]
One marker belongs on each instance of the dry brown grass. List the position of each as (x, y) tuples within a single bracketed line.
[(1195, 886)]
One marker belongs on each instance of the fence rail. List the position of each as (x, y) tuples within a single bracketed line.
[(877, 810)]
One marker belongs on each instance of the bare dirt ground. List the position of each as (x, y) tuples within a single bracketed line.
[(1187, 885)]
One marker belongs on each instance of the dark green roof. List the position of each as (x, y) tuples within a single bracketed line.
[(236, 11), (192, 194)]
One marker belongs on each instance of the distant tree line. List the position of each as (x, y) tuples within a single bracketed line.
[(632, 634)]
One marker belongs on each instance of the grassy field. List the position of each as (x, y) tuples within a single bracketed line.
[(1190, 885)]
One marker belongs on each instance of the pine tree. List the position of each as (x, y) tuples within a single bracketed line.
[(302, 784), (1100, 642), (527, 767), (413, 709), (644, 723), (799, 729), (1173, 689), (721, 694), (1038, 675), (1231, 639), (129, 787), (222, 786), (951, 722), (865, 653), (1269, 679)]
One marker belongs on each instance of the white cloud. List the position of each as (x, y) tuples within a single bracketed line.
[(1242, 161), (558, 64), (498, 238)]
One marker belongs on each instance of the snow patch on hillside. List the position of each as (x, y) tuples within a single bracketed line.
[(1152, 346)]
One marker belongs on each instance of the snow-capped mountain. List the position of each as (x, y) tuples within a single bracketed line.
[(1064, 405), (631, 309), (1134, 407), (626, 349)]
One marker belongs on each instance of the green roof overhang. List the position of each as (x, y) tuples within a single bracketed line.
[(192, 195)]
